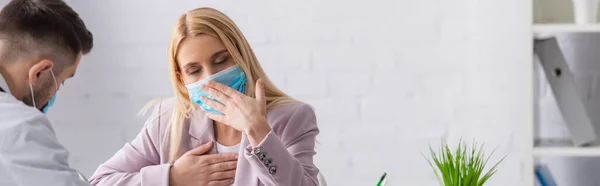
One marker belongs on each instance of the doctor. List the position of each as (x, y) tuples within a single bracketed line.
[(41, 43)]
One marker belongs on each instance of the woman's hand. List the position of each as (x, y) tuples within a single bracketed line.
[(241, 112), (195, 168)]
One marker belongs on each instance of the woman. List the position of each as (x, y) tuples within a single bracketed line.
[(254, 134)]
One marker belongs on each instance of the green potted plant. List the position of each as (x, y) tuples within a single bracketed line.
[(463, 167)]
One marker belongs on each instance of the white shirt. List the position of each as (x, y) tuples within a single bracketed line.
[(227, 149), (30, 154)]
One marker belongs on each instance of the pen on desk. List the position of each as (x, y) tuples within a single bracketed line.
[(381, 179)]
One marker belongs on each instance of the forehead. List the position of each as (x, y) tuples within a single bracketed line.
[(198, 48)]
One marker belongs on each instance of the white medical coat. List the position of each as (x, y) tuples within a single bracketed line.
[(30, 154)]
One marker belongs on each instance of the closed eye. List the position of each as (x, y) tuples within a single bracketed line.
[(223, 54), (194, 72), (224, 59), (192, 68)]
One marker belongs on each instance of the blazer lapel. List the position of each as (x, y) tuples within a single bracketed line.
[(201, 130), (243, 175)]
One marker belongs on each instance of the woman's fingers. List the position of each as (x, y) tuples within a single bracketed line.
[(200, 149), (222, 88), (224, 166), (217, 117), (220, 182), (216, 94), (260, 91), (222, 175), (212, 159), (213, 104)]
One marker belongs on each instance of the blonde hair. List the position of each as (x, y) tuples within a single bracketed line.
[(214, 23)]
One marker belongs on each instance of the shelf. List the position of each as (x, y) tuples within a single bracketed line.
[(566, 151), (559, 28)]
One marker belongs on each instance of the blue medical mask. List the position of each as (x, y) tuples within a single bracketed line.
[(51, 101), (233, 77), (50, 104)]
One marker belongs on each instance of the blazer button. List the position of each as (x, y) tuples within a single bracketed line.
[(262, 157), (257, 150), (267, 162), (272, 170)]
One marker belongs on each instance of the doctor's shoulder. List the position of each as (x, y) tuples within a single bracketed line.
[(18, 120), (15, 115)]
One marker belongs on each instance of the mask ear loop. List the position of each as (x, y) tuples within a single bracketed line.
[(32, 96), (31, 88), (54, 78)]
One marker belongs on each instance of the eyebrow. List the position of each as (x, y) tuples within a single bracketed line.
[(212, 58)]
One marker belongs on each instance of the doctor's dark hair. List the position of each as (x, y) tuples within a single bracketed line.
[(43, 29)]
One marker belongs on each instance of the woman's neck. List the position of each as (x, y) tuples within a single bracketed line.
[(226, 135)]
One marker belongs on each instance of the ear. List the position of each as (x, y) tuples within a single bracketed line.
[(38, 68)]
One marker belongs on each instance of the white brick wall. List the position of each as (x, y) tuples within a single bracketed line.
[(386, 78)]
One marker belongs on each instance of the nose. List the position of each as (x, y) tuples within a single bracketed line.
[(209, 72)]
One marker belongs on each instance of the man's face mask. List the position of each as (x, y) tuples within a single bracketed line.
[(233, 77), (45, 108)]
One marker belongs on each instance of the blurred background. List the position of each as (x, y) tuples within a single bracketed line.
[(386, 78), (580, 50), (554, 11)]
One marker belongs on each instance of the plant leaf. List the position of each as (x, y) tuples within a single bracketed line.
[(463, 166)]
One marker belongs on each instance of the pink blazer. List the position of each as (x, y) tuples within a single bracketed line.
[(290, 147)]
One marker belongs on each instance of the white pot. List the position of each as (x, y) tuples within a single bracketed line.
[(585, 11)]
